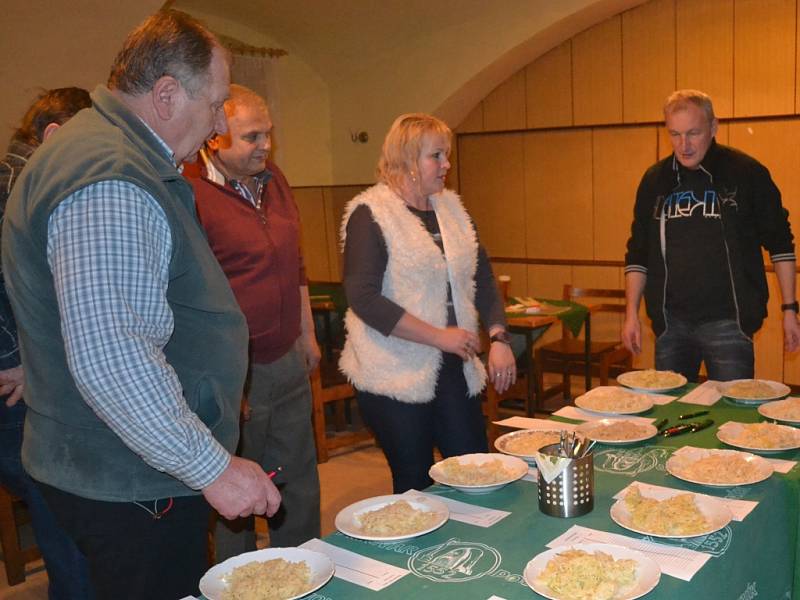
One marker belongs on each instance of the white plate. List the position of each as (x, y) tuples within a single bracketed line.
[(648, 573), (590, 430), (684, 458), (213, 584), (632, 379), (503, 441), (728, 432), (714, 510), (517, 466), (588, 400), (348, 523), (780, 391), (773, 410)]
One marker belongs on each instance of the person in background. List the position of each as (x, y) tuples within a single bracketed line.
[(246, 207), (700, 220), (68, 576), (416, 280), (134, 349)]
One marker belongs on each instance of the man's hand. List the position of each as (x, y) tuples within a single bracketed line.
[(243, 489), (310, 351), (632, 334), (12, 381), (502, 366), (791, 331)]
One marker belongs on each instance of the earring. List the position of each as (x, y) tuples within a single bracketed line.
[(413, 177)]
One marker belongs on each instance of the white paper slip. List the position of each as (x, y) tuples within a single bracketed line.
[(360, 570), (674, 561), (469, 513), (782, 466), (578, 414), (739, 508), (661, 399), (704, 394), (493, 597), (537, 424)]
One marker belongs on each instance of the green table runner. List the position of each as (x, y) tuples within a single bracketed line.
[(572, 318), (754, 558)]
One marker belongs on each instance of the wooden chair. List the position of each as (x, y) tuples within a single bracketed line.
[(326, 394), (14, 513), (567, 355)]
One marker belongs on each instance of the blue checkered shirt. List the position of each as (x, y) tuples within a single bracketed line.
[(109, 247)]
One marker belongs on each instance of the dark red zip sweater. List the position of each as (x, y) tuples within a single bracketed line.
[(259, 251)]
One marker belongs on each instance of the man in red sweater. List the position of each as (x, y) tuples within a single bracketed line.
[(246, 207)]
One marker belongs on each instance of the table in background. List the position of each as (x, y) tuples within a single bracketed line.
[(533, 326)]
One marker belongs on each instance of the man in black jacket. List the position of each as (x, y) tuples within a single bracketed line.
[(701, 217)]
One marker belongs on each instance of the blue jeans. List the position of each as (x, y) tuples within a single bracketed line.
[(722, 345), (407, 433), (66, 567)]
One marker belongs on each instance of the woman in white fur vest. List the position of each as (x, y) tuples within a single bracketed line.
[(417, 281)]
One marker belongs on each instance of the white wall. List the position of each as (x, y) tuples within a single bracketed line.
[(59, 43)]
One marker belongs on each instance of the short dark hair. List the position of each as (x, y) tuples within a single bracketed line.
[(170, 42), (51, 106)]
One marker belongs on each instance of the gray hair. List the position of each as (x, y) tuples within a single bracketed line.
[(169, 42), (680, 99)]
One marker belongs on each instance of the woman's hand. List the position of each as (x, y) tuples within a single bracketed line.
[(502, 366), (458, 341)]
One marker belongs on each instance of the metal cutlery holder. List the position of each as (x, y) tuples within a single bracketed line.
[(571, 494)]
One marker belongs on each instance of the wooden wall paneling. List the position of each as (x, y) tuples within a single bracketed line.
[(504, 108), (332, 222), (548, 88), (620, 158), (597, 73), (772, 143), (473, 122), (764, 63), (648, 59), (705, 50), (314, 240), (519, 277), (558, 194), (452, 181), (547, 281), (769, 339), (492, 187), (336, 199)]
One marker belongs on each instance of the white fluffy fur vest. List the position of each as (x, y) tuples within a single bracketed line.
[(416, 279)]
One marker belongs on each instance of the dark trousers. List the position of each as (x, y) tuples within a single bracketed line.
[(407, 433), (279, 433), (67, 571), (131, 554), (725, 349)]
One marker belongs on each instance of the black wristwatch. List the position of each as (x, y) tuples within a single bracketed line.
[(791, 306), (501, 336)]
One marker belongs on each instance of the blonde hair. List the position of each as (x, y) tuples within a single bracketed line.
[(402, 146), (680, 99)]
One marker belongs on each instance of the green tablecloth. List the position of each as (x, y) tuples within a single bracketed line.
[(755, 558), (573, 318)]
